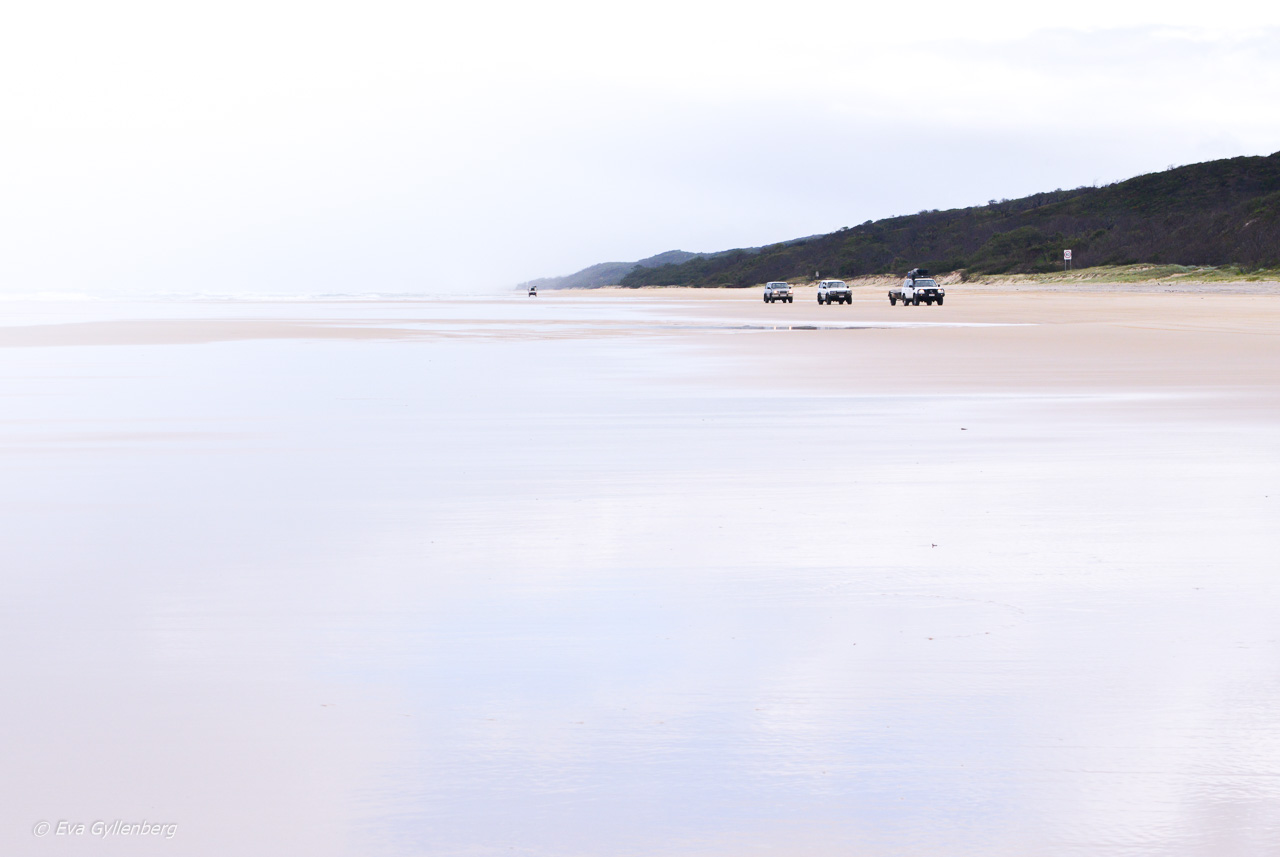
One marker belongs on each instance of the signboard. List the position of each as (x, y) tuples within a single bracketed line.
[(1066, 255)]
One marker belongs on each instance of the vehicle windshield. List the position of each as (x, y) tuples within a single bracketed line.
[(925, 284), (776, 285)]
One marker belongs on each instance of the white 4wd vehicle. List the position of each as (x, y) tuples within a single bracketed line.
[(916, 289), (778, 292), (834, 292)]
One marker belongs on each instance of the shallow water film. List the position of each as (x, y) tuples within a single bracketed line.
[(641, 574)]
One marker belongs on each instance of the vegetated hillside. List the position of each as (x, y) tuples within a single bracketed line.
[(1216, 213), (608, 273), (613, 273)]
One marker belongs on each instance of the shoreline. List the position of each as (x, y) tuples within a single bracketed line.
[(1130, 279), (978, 286), (989, 340)]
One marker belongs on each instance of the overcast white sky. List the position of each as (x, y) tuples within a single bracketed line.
[(320, 147)]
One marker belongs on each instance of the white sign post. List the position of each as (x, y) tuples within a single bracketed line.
[(1066, 259)]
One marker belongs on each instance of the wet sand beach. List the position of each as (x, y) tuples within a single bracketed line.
[(634, 572)]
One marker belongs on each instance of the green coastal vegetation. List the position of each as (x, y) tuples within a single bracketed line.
[(607, 273), (1167, 274), (1220, 218)]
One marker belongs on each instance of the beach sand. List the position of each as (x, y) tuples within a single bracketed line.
[(657, 571)]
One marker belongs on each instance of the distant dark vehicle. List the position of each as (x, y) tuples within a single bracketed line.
[(917, 288), (533, 291)]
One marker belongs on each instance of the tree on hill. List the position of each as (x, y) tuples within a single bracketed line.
[(1215, 213)]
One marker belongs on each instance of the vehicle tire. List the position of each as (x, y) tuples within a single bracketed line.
[(892, 300), (915, 301), (939, 301)]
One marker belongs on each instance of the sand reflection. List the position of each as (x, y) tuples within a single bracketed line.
[(635, 574)]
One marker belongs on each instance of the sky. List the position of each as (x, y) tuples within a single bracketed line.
[(277, 147)]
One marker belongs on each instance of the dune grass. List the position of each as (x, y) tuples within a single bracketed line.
[(1140, 274)]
